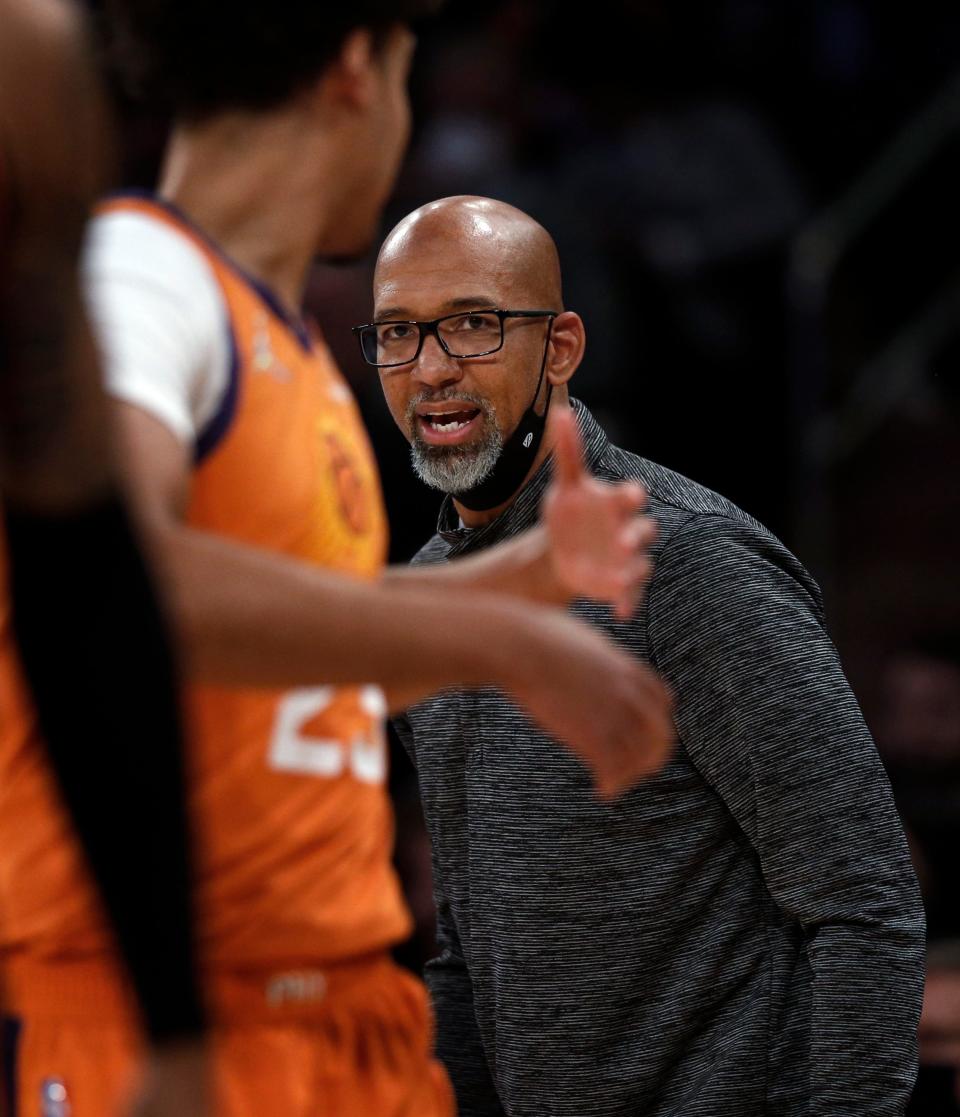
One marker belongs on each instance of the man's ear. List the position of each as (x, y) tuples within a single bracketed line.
[(567, 343), (350, 78)]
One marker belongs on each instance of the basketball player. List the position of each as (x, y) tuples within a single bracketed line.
[(259, 491), (93, 647)]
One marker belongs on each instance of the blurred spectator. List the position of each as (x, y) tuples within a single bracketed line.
[(918, 731)]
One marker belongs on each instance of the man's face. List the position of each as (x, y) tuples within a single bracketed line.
[(457, 412)]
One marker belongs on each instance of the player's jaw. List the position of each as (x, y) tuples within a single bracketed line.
[(378, 138), (455, 439)]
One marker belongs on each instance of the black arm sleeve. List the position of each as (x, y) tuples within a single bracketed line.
[(95, 653)]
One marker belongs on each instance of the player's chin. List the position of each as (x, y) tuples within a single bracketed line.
[(350, 245), (339, 258)]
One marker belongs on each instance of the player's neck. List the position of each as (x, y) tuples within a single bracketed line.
[(244, 181)]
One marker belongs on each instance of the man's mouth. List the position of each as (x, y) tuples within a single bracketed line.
[(446, 425)]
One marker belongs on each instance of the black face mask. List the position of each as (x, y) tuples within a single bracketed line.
[(518, 453)]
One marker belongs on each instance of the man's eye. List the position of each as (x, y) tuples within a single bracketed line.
[(395, 331), (474, 322)]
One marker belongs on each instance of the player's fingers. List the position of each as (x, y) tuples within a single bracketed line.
[(638, 533), (620, 585), (630, 585), (626, 604), (606, 790), (632, 764), (654, 697), (625, 762), (615, 775), (631, 497), (609, 762), (568, 448), (655, 692), (639, 740), (651, 751)]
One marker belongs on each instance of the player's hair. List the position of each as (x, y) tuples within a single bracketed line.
[(195, 58)]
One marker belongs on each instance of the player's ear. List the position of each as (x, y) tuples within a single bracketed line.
[(567, 343), (350, 78)]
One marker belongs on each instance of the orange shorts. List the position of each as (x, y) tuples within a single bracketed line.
[(350, 1041)]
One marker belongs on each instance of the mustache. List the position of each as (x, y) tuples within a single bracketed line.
[(445, 395)]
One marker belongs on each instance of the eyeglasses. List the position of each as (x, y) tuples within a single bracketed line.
[(474, 333)]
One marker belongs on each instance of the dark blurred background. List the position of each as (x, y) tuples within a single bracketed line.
[(755, 206)]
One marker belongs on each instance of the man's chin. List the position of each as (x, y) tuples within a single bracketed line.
[(456, 452), (449, 469)]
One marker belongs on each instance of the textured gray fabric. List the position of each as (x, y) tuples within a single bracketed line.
[(741, 934)]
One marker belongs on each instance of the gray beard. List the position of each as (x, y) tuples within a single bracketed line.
[(455, 469)]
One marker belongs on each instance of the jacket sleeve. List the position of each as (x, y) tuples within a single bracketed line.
[(767, 716), (459, 1046)]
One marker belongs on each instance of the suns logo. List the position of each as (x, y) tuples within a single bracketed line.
[(348, 530), (352, 495)]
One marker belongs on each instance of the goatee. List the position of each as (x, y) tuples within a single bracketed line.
[(455, 469)]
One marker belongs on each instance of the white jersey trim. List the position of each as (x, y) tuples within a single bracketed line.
[(160, 319)]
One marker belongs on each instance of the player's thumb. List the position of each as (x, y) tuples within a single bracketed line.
[(568, 448)]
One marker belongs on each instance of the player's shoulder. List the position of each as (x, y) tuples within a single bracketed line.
[(142, 241), (133, 256)]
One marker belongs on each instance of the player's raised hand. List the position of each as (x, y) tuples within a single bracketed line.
[(612, 711), (176, 1082), (597, 539)]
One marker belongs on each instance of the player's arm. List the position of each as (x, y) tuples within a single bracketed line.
[(252, 617), (592, 541), (92, 642)]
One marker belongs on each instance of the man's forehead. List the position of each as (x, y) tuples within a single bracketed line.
[(412, 283), (461, 245), (446, 250)]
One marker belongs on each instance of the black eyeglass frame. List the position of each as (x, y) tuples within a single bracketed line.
[(430, 328)]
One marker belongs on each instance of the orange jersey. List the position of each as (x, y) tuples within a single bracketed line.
[(364, 1049), (288, 793)]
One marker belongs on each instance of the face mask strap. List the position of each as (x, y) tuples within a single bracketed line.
[(518, 454)]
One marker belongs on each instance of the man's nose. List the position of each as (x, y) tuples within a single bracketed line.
[(435, 367)]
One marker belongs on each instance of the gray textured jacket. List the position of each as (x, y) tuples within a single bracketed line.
[(740, 935)]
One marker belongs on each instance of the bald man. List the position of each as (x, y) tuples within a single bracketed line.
[(741, 934)]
